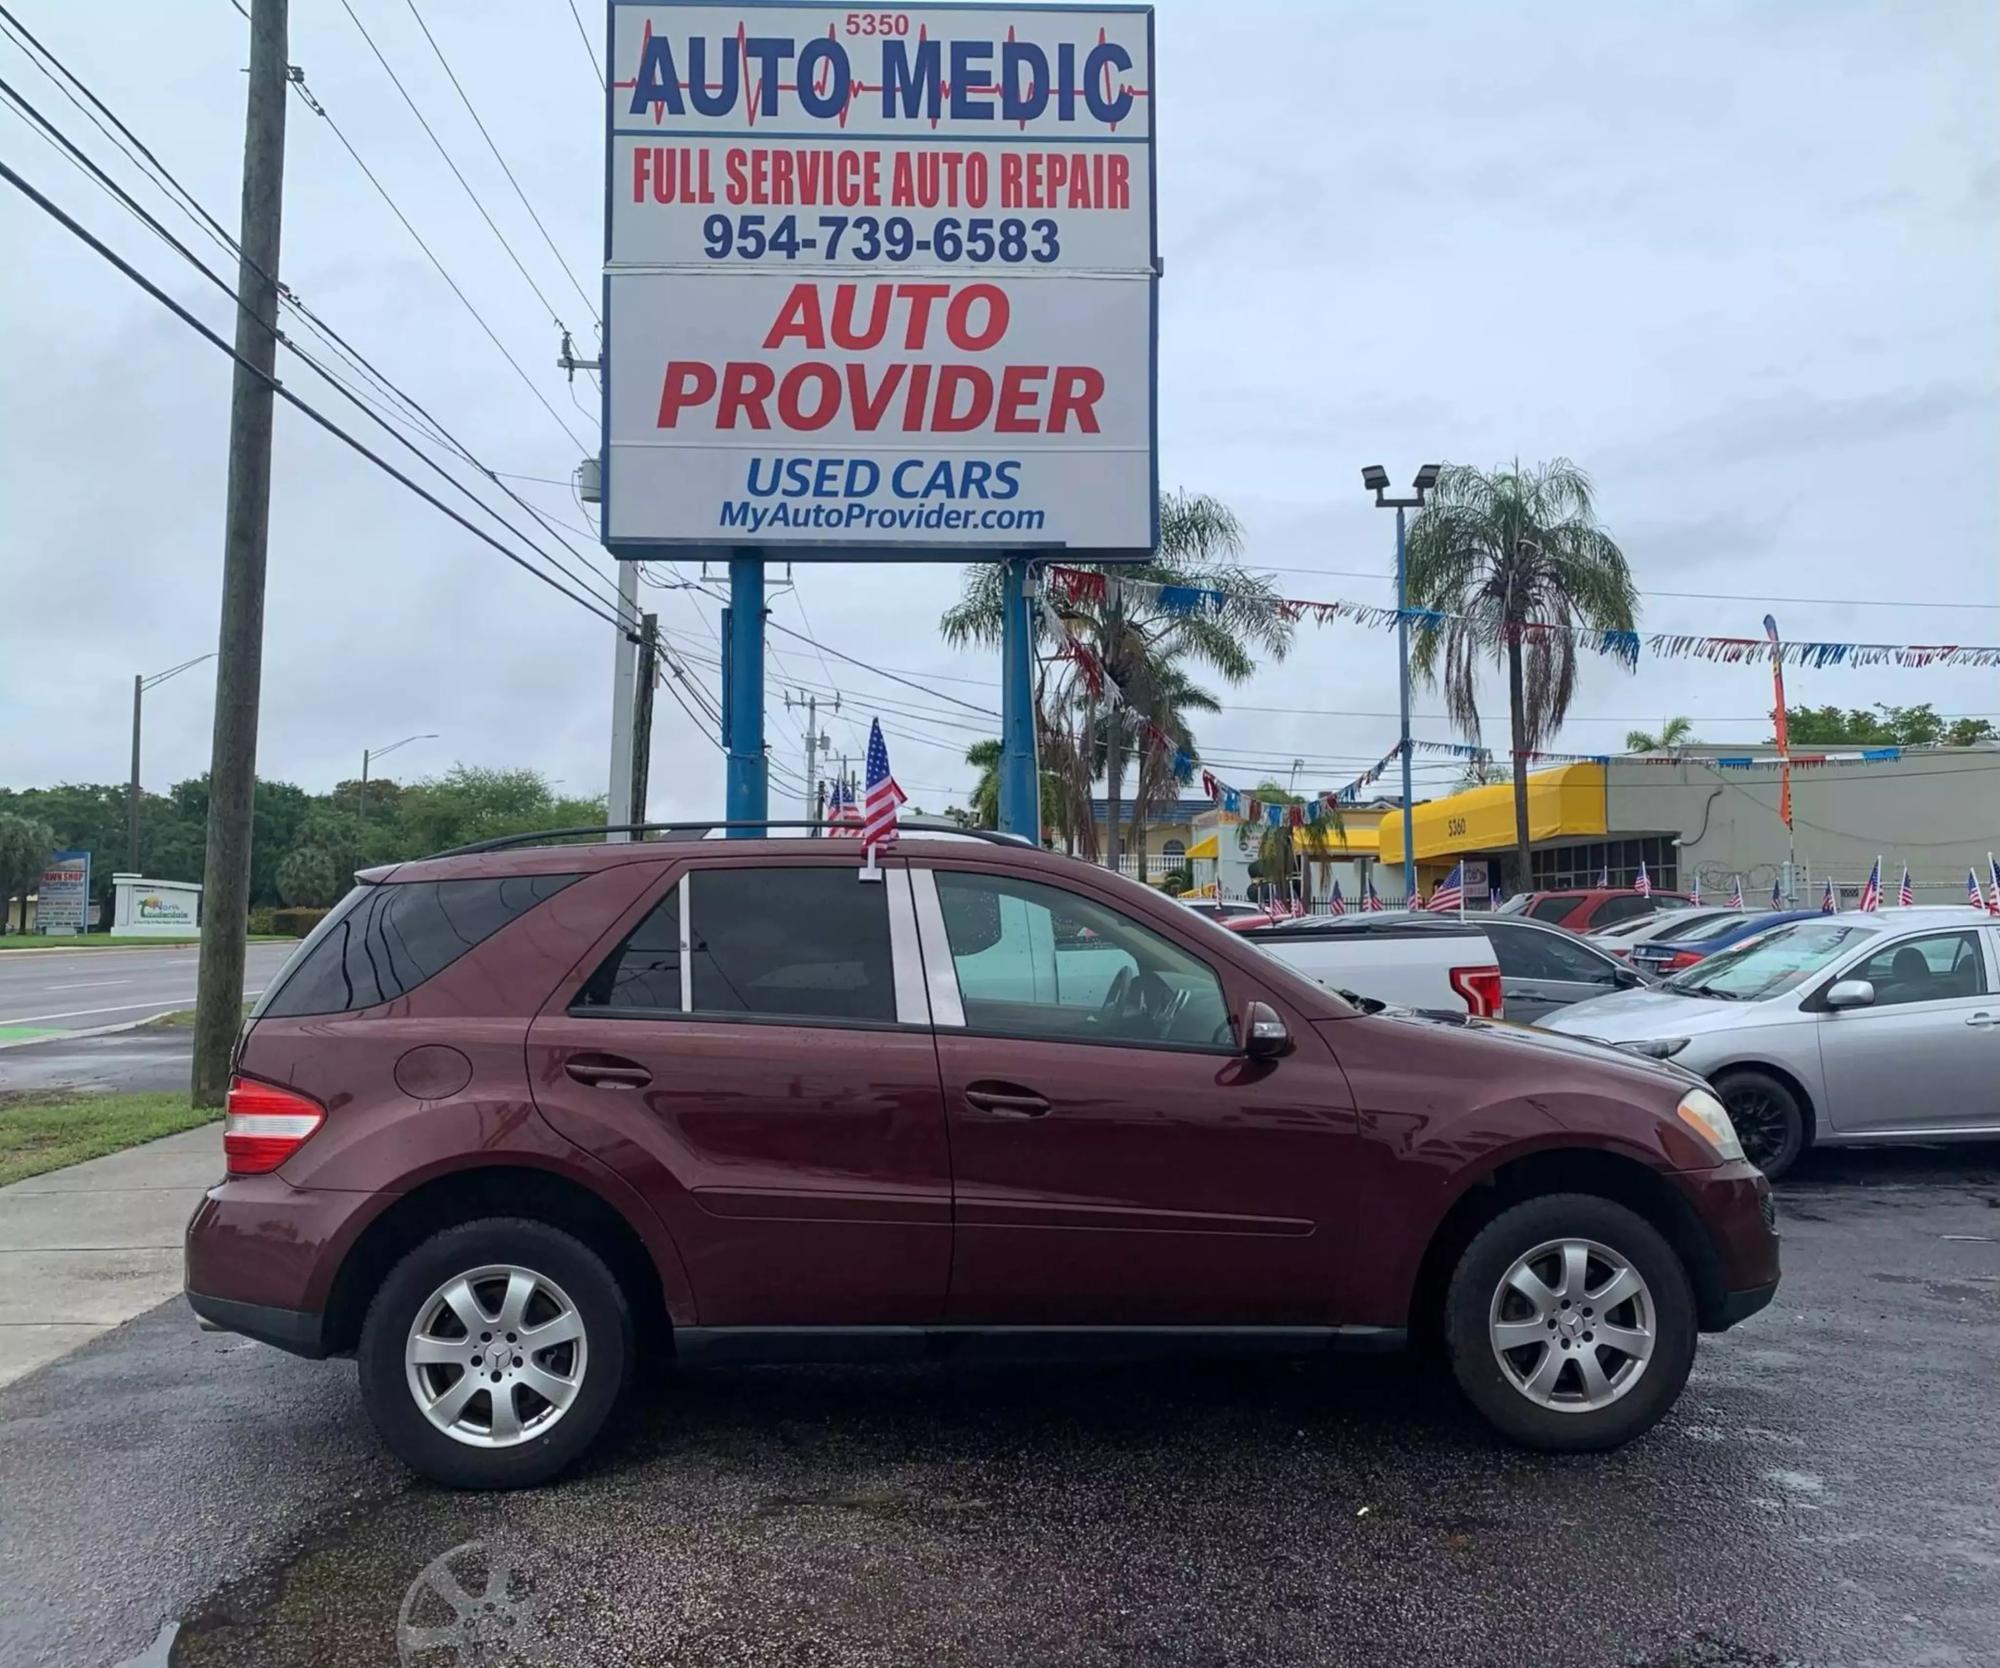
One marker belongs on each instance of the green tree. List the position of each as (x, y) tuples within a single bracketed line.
[(1499, 553), (308, 877), (1676, 732), (469, 803), (1139, 645), (1281, 849), (1884, 726), (25, 845)]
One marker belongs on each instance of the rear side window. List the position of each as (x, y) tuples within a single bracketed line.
[(391, 938), (804, 944), (1613, 910), (1552, 909)]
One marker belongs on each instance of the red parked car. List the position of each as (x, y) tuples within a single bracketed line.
[(1592, 909), (508, 1111)]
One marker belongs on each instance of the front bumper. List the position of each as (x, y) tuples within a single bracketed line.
[(1737, 1222)]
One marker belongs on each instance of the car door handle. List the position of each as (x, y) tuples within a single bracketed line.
[(607, 1071), (1005, 1100), (1983, 1021)]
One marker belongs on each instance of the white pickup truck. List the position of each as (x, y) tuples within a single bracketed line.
[(1486, 965)]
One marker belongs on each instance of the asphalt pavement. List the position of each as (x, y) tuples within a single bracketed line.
[(49, 997), (1827, 1493)]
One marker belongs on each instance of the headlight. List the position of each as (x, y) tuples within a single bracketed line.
[(1656, 1048), (1703, 1113)]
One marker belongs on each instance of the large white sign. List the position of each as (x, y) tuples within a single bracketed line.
[(880, 281)]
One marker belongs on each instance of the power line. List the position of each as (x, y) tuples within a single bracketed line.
[(131, 272), (457, 174), (385, 419), (139, 153), (497, 157), (589, 51), (319, 109)]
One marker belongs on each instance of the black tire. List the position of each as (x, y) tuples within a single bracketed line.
[(1468, 1312), (392, 1405), (1769, 1120)]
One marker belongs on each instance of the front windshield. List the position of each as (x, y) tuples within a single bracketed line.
[(1770, 963)]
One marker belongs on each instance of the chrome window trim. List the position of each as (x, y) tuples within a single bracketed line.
[(940, 975), (687, 942), (905, 950)]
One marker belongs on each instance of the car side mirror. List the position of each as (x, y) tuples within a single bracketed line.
[(1266, 1037), (1629, 978), (1850, 993)]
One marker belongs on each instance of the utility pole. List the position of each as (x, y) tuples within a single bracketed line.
[(1020, 775), (232, 770), (140, 684), (815, 744), (624, 668), (642, 713), (1376, 479)]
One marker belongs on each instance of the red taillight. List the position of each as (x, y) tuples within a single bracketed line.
[(263, 1126), (1682, 958), (1480, 986)]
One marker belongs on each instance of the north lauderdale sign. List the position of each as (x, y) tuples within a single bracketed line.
[(881, 278)]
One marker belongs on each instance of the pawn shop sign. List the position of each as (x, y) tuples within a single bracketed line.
[(880, 282)]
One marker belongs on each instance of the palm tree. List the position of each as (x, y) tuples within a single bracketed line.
[(1164, 771), (1140, 646), (1279, 849), (1499, 554), (1676, 732), (984, 757)]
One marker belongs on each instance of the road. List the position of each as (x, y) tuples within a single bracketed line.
[(1827, 1494), (56, 992)]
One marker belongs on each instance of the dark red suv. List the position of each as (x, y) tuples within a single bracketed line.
[(509, 1111)]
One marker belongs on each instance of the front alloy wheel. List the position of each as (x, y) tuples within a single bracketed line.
[(496, 1355), (1572, 1325), (1570, 1322)]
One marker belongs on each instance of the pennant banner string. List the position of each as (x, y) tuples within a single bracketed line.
[(1082, 585)]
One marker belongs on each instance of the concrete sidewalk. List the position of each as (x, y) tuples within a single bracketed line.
[(86, 1248)]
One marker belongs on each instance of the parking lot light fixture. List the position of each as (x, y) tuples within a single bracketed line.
[(1376, 479)]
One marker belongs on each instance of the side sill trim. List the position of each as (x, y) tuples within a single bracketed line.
[(719, 1345)]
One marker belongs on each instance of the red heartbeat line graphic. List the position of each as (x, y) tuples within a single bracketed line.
[(753, 89)]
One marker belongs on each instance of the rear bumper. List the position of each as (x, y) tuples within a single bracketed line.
[(299, 1331)]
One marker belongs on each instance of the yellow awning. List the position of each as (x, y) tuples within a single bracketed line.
[(1562, 803), (1205, 848)]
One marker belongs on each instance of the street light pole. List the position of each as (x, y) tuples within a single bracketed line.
[(1376, 479), (140, 684), (361, 793)]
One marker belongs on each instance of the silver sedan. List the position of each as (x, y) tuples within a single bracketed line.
[(1843, 1029)]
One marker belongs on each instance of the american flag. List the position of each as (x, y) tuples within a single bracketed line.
[(1736, 892), (1495, 898), (880, 797), (1694, 890), (1450, 893), (1994, 869), (1642, 885), (1972, 886), (1298, 903), (1373, 902), (1906, 896), (1336, 905), (1871, 891), (1829, 904), (842, 817), (1604, 877)]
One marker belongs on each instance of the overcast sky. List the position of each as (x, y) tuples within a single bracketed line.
[(1738, 261)]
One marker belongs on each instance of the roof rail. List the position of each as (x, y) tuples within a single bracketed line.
[(702, 830)]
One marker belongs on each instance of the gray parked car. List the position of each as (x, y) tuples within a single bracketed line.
[(1836, 1029)]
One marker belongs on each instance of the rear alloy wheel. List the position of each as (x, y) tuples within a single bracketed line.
[(1768, 1118), (1570, 1323), (494, 1352)]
